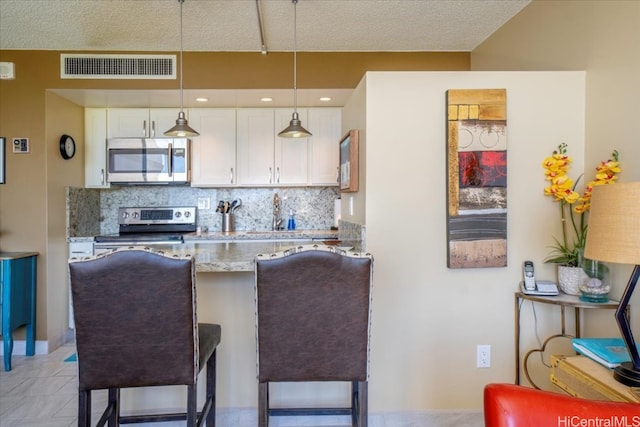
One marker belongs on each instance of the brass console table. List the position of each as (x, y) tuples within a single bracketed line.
[(564, 301)]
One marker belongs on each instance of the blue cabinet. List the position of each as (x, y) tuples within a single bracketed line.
[(18, 300)]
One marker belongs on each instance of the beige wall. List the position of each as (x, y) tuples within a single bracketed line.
[(600, 37), (428, 319), (63, 117)]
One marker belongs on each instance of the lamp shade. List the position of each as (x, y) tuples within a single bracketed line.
[(614, 224), (295, 129), (182, 128)]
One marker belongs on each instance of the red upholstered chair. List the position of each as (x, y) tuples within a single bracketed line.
[(313, 312), (508, 405), (136, 326)]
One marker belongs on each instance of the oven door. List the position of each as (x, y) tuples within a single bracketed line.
[(148, 161)]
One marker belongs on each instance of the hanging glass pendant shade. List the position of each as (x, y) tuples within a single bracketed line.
[(182, 128), (295, 129)]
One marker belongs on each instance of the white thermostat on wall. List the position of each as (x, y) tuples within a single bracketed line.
[(7, 70), (20, 145)]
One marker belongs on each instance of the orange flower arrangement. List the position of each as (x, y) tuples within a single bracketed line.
[(563, 190)]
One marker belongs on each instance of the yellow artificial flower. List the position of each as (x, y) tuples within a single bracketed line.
[(563, 190)]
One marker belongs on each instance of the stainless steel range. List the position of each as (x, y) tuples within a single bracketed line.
[(150, 225)]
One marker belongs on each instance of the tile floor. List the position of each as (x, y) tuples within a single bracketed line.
[(41, 391)]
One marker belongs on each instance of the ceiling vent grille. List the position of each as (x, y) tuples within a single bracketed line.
[(133, 67)]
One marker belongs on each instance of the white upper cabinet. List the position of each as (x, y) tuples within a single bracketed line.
[(140, 122), (290, 154), (325, 125), (214, 151), (255, 149), (95, 148), (236, 147)]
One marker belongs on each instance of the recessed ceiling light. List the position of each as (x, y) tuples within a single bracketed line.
[(266, 99), (201, 99), (325, 98)]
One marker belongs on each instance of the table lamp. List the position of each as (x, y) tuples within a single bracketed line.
[(614, 236)]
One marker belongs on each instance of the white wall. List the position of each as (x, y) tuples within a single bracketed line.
[(427, 319)]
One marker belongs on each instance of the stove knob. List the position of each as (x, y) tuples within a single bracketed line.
[(125, 215), (187, 214), (178, 214), (136, 215)]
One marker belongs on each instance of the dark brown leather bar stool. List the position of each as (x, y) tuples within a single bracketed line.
[(136, 326), (313, 322)]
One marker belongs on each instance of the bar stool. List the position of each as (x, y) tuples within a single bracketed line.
[(313, 320), (136, 326)]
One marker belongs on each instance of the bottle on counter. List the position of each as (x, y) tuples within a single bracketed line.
[(291, 224)]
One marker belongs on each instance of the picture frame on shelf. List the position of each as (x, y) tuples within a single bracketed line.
[(349, 162)]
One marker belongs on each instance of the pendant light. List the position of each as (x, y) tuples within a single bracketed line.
[(295, 129), (182, 128)]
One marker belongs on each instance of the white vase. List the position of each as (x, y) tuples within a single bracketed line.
[(570, 279)]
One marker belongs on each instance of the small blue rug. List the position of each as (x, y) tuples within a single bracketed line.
[(72, 358)]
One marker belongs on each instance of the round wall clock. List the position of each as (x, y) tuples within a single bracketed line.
[(67, 147)]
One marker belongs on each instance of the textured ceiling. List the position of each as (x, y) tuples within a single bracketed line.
[(232, 25)]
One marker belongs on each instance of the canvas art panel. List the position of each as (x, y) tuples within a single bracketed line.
[(476, 178)]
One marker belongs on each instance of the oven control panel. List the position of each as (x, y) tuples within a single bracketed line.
[(157, 215)]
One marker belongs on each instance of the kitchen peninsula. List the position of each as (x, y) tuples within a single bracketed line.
[(235, 252), (224, 266)]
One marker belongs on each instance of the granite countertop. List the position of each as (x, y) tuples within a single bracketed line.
[(236, 251), (264, 235), (216, 256), (245, 236)]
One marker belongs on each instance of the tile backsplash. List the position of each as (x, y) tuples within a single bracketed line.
[(95, 211)]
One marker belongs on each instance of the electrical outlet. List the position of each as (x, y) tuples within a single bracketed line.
[(204, 203), (483, 356)]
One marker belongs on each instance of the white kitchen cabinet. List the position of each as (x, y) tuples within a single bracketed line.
[(255, 130), (325, 125), (140, 122), (290, 154), (214, 151), (95, 148), (263, 157)]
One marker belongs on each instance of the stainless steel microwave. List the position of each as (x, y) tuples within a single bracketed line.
[(148, 161)]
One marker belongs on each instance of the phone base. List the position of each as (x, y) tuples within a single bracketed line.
[(545, 292)]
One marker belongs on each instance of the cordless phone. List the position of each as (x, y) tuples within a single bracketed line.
[(531, 286), (529, 279)]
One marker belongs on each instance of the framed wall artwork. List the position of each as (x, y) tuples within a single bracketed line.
[(349, 162), (476, 178), (2, 160)]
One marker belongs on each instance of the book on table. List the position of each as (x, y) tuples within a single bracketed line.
[(609, 352)]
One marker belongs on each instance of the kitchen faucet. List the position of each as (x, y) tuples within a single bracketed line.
[(277, 221)]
